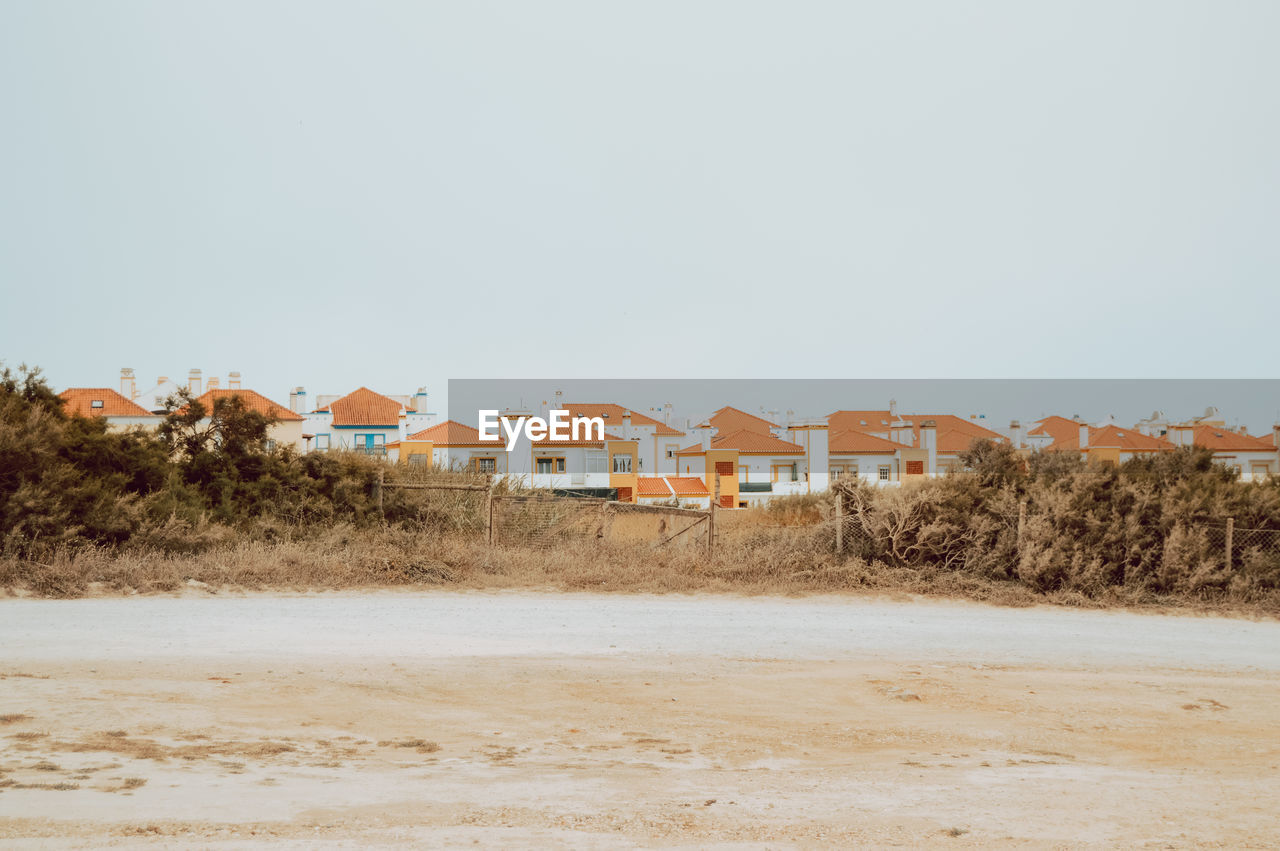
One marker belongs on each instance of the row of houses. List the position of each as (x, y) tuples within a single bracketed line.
[(361, 420), (733, 455)]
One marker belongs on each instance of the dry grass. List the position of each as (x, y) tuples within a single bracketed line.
[(754, 555)]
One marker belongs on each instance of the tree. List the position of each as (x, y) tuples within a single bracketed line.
[(231, 428)]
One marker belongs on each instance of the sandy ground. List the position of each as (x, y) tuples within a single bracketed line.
[(536, 720)]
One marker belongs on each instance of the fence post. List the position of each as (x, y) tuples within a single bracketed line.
[(377, 492), (488, 507), (1022, 521), (839, 521), (1231, 533), (711, 518)]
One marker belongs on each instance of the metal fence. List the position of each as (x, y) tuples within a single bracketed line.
[(543, 520)]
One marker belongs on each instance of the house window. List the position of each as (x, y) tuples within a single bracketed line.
[(597, 462), (96, 403), (271, 445), (915, 468), (370, 444), (885, 470), (622, 463), (1237, 469), (419, 458), (548, 465), (672, 449), (784, 472), (484, 465), (322, 442)]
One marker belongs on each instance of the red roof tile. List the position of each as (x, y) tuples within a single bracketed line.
[(688, 486), (1059, 428), (1113, 437), (652, 486), (855, 442), (81, 401), (613, 415), (861, 420), (450, 433), (253, 400), (363, 407), (1223, 440), (728, 420), (749, 442)]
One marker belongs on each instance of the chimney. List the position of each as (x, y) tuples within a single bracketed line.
[(1015, 434), (233, 381), (298, 400), (214, 383), (420, 401), (706, 439), (128, 387), (1275, 435), (1084, 435), (193, 382), (162, 379), (902, 433), (893, 408), (929, 441)]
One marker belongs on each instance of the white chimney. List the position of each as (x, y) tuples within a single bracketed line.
[(193, 382), (1015, 434), (706, 439), (903, 433), (128, 386), (893, 408), (233, 381), (213, 383), (1084, 436), (929, 441), (1275, 435)]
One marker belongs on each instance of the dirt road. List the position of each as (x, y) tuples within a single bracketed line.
[(531, 720)]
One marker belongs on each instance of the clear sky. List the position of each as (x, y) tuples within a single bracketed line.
[(394, 194)]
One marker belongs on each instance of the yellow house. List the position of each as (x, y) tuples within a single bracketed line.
[(624, 467)]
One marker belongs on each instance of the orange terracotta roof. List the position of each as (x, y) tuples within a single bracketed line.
[(613, 415), (951, 423), (652, 486), (749, 442), (253, 400), (363, 407), (1059, 428), (1113, 437), (1222, 440), (451, 433), (954, 441), (729, 420), (855, 442), (688, 486), (547, 441), (862, 420), (79, 401)]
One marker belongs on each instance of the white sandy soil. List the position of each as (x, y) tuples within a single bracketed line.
[(532, 720)]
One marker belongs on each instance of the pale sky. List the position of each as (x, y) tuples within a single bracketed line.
[(395, 194)]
